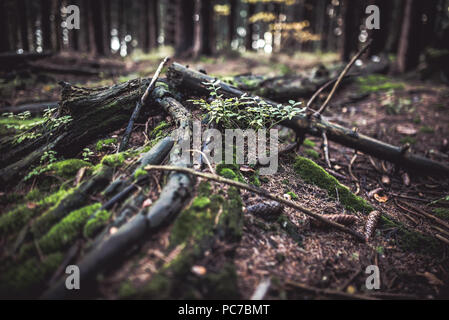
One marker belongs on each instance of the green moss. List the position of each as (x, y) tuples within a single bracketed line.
[(100, 220), (409, 140), (418, 242), (33, 195), (228, 174), (140, 173), (196, 228), (255, 178), (230, 171), (67, 168), (200, 203), (312, 153), (15, 219), (158, 131), (27, 278), (426, 129), (65, 232), (101, 144), (126, 290), (293, 195), (309, 143), (377, 82), (312, 173), (114, 160)]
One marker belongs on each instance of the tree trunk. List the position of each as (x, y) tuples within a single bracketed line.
[(351, 26), (47, 43), (184, 26), (170, 22), (145, 32), (154, 23), (232, 21), (59, 44), (23, 21), (96, 8), (249, 27), (409, 45), (108, 26), (5, 44), (380, 36)]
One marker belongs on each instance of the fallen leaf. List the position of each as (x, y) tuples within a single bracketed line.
[(407, 130), (350, 289), (287, 197), (113, 230), (373, 192), (381, 199), (433, 280), (199, 270), (386, 180)]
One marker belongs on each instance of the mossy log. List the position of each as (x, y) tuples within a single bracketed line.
[(172, 199), (93, 111), (294, 87), (193, 82)]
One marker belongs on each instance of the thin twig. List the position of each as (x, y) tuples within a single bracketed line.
[(340, 78), (139, 104), (261, 192), (326, 149)]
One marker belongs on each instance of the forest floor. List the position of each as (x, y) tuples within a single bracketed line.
[(394, 110)]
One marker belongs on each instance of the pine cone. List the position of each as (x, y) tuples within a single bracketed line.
[(344, 219), (371, 224), (269, 211)]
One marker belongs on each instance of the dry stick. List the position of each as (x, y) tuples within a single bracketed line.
[(340, 78), (139, 104), (428, 215), (326, 150), (259, 192)]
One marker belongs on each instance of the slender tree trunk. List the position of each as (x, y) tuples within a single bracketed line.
[(232, 21), (351, 27), (145, 31), (5, 44), (108, 26), (97, 10), (184, 27), (409, 45), (47, 43), (59, 44), (380, 36), (250, 27), (395, 26), (23, 21), (170, 22), (154, 23)]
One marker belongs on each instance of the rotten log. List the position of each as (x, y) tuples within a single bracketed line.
[(172, 199), (94, 112), (193, 82)]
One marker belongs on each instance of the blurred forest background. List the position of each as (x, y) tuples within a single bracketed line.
[(196, 28)]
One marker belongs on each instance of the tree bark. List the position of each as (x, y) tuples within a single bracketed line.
[(232, 21), (184, 27), (96, 8), (249, 27), (409, 45), (351, 26), (47, 43), (23, 20), (5, 44)]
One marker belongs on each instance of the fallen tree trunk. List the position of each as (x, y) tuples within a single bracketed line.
[(170, 202), (294, 87), (93, 113), (193, 82)]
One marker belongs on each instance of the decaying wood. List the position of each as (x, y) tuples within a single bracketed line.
[(260, 192), (143, 101), (194, 82), (172, 199)]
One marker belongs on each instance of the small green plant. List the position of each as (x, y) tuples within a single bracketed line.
[(48, 157), (87, 154), (244, 112)]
